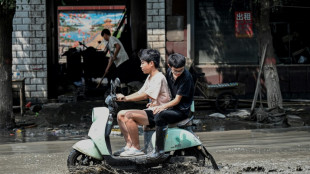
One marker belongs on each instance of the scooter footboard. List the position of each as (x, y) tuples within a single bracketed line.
[(88, 148)]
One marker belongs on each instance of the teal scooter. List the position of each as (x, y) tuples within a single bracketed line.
[(181, 144)]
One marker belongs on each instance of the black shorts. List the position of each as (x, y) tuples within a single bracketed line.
[(169, 116), (150, 117)]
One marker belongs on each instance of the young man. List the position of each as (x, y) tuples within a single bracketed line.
[(181, 86), (117, 53), (156, 90)]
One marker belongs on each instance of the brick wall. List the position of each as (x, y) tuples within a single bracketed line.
[(156, 36), (29, 47)]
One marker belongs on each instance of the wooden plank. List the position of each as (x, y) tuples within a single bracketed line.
[(258, 85)]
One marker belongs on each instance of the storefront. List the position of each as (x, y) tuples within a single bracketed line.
[(44, 31), (221, 38)]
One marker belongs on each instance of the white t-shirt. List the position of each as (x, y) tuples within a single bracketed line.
[(157, 88), (121, 56)]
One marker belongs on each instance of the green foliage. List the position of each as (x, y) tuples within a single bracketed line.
[(63, 2), (7, 5)]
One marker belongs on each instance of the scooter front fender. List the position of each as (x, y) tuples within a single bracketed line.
[(88, 147), (98, 128)]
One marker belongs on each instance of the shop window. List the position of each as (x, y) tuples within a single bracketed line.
[(216, 40), (290, 31)]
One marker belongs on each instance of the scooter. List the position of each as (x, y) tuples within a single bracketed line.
[(181, 144)]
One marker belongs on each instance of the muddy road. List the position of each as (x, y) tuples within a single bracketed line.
[(282, 150)]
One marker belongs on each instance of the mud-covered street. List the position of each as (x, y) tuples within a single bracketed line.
[(282, 150)]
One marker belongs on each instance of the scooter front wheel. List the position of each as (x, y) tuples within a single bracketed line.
[(77, 159)]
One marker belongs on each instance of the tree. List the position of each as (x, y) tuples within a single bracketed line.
[(7, 11), (262, 12)]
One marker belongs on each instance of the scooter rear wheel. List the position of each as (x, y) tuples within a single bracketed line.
[(188, 153), (77, 159)]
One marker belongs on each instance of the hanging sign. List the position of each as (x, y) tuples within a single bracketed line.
[(243, 24)]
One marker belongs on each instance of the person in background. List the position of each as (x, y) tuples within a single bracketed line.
[(118, 54)]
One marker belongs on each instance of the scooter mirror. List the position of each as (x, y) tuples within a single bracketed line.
[(117, 82), (109, 100)]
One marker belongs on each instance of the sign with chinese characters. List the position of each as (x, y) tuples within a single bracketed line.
[(243, 24)]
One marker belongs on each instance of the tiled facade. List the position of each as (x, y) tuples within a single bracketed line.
[(29, 47), (156, 35)]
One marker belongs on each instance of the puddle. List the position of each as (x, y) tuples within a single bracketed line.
[(229, 124), (34, 135), (50, 134)]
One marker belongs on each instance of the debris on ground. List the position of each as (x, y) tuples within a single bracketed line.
[(35, 108), (294, 120), (241, 113), (54, 114), (67, 99), (274, 116), (217, 115)]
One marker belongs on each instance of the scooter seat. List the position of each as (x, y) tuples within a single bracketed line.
[(182, 124)]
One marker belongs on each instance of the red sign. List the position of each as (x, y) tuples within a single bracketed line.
[(243, 24)]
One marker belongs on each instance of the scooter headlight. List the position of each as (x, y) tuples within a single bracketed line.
[(93, 116)]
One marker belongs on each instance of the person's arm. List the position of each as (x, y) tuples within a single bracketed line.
[(117, 49), (108, 66), (132, 97), (138, 97), (106, 48), (170, 104)]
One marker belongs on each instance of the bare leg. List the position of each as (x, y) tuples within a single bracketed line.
[(135, 118), (121, 119)]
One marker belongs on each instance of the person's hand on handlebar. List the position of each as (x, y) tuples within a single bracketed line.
[(120, 97)]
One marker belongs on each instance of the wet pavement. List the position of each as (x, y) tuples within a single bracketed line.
[(281, 150), (43, 140)]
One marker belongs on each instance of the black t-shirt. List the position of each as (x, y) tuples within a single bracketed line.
[(183, 86)]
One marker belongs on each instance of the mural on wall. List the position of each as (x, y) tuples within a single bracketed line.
[(85, 26)]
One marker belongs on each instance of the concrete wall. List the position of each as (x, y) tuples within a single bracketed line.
[(29, 47), (176, 13), (156, 35), (294, 79)]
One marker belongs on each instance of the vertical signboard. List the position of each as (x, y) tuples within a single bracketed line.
[(243, 24)]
